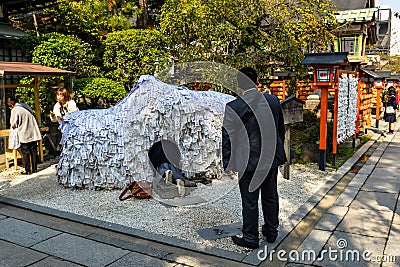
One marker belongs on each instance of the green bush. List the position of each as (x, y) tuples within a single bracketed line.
[(66, 52), (98, 92), (309, 119), (131, 53)]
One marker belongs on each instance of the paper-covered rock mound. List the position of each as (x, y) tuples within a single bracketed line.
[(108, 148)]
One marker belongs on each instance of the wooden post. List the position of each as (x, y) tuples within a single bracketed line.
[(323, 130), (287, 152), (358, 113), (335, 121), (14, 153), (378, 107), (37, 83), (358, 106)]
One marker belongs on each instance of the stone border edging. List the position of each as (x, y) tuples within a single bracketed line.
[(167, 240)]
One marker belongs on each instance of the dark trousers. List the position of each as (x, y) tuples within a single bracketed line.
[(29, 153), (269, 202)]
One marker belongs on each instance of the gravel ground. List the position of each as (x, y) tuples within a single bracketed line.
[(155, 217)]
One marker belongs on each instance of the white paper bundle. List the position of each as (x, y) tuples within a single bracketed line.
[(347, 108), (108, 147)]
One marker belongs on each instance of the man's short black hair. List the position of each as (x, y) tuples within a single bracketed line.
[(247, 78), (392, 90)]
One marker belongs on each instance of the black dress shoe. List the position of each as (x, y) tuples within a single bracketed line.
[(25, 173), (270, 238), (243, 243)]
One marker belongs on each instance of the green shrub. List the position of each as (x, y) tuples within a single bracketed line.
[(309, 119), (98, 92), (66, 52), (131, 53)]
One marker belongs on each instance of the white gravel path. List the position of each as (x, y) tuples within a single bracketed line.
[(150, 215)]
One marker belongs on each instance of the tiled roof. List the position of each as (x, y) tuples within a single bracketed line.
[(371, 73), (25, 68), (337, 58), (357, 15), (349, 4)]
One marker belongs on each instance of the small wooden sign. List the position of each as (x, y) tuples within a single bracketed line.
[(292, 109)]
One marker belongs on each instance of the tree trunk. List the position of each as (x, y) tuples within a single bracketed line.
[(143, 6)]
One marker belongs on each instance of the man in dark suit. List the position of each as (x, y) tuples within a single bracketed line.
[(252, 145)]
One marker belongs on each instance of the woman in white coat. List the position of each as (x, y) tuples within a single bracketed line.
[(64, 105)]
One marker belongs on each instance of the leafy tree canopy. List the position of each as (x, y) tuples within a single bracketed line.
[(87, 19), (131, 53), (238, 32), (65, 52), (95, 90)]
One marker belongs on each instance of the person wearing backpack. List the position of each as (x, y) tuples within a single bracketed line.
[(24, 121), (390, 109)]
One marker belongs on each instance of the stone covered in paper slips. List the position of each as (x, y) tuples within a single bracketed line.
[(108, 148)]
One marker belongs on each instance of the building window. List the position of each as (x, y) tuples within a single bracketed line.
[(350, 45)]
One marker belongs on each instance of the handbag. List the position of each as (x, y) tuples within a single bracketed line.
[(390, 110), (13, 139), (141, 190)]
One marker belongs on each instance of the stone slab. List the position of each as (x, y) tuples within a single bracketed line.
[(375, 201), (366, 222), (396, 219), (69, 247), (220, 231), (347, 196), (137, 259), (312, 245), (384, 173), (389, 185), (372, 160), (24, 233), (254, 257), (329, 222), (338, 210), (392, 246), (132, 243), (366, 169), (172, 240), (388, 164), (358, 180), (52, 222), (194, 260), (12, 255), (350, 249), (2, 217), (54, 262), (49, 211), (378, 153)]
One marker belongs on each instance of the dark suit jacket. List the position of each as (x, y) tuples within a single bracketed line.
[(253, 133)]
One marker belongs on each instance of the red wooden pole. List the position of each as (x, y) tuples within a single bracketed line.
[(378, 107), (323, 130)]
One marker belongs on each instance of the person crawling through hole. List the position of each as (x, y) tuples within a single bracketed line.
[(165, 158)]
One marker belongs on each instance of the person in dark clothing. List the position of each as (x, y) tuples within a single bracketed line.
[(252, 145), (165, 157), (390, 109)]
